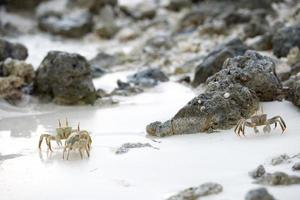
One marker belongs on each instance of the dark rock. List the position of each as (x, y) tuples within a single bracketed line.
[(8, 29), (230, 95), (285, 39), (258, 172), (12, 50), (72, 24), (259, 194), (28, 5), (177, 5), (296, 166), (234, 17), (148, 77), (257, 26), (278, 178), (92, 5), (66, 78), (205, 11), (194, 193), (213, 62)]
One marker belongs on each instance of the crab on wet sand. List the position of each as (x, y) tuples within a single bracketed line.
[(259, 120), (80, 140), (61, 134)]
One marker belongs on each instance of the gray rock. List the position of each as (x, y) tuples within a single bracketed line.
[(126, 89), (280, 159), (278, 178), (127, 146), (254, 71), (296, 166), (230, 95), (194, 193), (294, 89), (259, 194), (106, 26), (8, 29), (66, 78), (100, 63), (210, 110), (72, 24), (148, 77), (206, 11), (143, 10), (213, 62), (285, 39), (159, 44), (258, 172), (257, 26), (12, 50)]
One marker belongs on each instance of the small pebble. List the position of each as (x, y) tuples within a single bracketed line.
[(226, 95), (199, 101)]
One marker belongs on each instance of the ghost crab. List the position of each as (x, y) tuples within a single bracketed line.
[(259, 120), (80, 140), (61, 134)]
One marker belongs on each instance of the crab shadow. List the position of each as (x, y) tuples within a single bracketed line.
[(47, 156)]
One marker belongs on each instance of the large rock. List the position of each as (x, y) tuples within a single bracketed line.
[(72, 24), (231, 94), (66, 78), (219, 107), (12, 50), (254, 71), (213, 62), (285, 39), (259, 194)]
